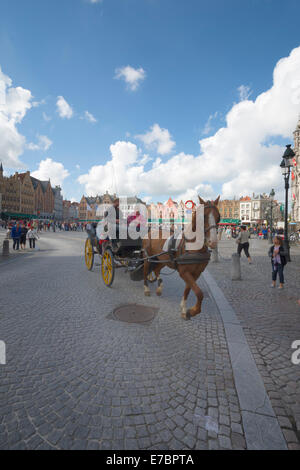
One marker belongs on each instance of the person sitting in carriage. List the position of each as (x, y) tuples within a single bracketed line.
[(137, 218), (114, 218)]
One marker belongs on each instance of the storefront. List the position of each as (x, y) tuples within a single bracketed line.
[(17, 216)]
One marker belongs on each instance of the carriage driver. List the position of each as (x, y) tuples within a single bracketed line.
[(116, 218)]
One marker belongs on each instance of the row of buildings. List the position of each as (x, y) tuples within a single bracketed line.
[(91, 208), (255, 210), (22, 195)]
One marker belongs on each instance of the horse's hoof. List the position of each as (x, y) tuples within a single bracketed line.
[(147, 294), (186, 316), (158, 293)]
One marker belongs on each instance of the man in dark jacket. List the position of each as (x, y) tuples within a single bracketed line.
[(16, 235)]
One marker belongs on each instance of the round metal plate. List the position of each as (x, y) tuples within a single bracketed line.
[(133, 313)]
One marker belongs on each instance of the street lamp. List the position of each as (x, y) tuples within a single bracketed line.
[(285, 166), (271, 197)]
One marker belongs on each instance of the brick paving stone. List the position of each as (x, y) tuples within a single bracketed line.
[(238, 441), (225, 442), (213, 444)]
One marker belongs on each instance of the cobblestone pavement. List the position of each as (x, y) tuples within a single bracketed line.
[(271, 322), (77, 379)]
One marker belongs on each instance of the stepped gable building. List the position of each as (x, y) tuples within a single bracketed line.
[(93, 208), (23, 196), (88, 206), (229, 209), (295, 177), (17, 194), (170, 210), (70, 211), (44, 198)]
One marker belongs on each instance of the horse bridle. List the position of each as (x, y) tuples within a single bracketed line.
[(209, 205)]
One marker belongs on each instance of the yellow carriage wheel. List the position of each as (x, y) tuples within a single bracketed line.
[(108, 267), (89, 254)]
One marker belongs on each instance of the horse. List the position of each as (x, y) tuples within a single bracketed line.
[(188, 263)]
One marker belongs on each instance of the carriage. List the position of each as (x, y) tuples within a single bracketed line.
[(115, 254)]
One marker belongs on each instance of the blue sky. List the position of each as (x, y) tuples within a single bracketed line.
[(194, 55)]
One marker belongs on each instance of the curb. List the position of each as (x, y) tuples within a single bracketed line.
[(262, 430)]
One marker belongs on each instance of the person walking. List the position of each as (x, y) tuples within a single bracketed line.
[(16, 235), (243, 242), (278, 260), (32, 237), (23, 236)]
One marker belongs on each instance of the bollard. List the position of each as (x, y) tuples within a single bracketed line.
[(5, 248), (236, 267), (215, 255)]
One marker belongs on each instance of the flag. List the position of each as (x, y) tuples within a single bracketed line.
[(88, 207)]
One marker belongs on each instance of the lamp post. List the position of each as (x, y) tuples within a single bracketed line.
[(285, 166), (271, 197)]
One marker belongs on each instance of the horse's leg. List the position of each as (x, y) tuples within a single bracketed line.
[(159, 280), (184, 298), (190, 281), (146, 272)]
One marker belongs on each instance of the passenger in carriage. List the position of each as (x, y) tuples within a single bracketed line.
[(138, 218), (116, 218)]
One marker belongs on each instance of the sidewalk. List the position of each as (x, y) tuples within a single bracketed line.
[(271, 322), (13, 254)]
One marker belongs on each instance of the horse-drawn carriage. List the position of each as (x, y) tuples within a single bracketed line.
[(144, 258), (114, 254)]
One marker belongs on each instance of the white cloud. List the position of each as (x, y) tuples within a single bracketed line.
[(132, 77), (238, 157), (14, 104), (63, 108), (159, 139), (89, 117), (46, 117), (48, 168), (44, 143), (36, 104), (208, 126), (244, 92)]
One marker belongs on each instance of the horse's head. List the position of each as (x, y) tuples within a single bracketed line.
[(211, 220)]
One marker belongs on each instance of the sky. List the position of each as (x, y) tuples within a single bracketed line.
[(154, 98)]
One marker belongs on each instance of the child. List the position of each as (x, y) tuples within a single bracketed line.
[(278, 260)]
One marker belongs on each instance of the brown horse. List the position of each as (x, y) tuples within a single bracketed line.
[(196, 259)]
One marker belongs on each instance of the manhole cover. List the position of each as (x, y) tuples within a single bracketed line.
[(134, 313)]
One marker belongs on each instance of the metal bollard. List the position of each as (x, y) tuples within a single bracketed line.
[(236, 267), (215, 255), (5, 248)]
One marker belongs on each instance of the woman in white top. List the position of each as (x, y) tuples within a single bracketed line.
[(32, 236)]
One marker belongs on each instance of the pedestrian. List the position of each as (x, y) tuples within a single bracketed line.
[(24, 231), (278, 260), (243, 242), (32, 237), (16, 235)]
